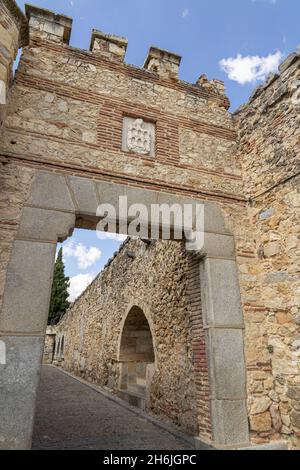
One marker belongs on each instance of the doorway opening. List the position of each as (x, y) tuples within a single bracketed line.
[(137, 359)]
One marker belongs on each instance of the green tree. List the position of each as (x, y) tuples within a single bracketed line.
[(59, 294)]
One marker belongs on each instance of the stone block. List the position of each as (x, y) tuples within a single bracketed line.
[(18, 385), (294, 392), (213, 219), (276, 418), (272, 249), (295, 419), (141, 196), (53, 28), (284, 367), (227, 364), (50, 191), (261, 422), (229, 422), (46, 225), (28, 287), (260, 405), (220, 293), (218, 246), (84, 192), (109, 193)]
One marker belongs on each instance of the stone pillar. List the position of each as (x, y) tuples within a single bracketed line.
[(47, 217), (223, 322)]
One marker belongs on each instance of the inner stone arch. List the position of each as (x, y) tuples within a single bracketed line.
[(137, 358)]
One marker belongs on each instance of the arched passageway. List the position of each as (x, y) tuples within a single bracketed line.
[(136, 358), (49, 216)]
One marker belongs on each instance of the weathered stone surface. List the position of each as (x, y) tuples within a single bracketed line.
[(220, 293), (295, 419), (27, 291), (294, 393), (16, 407), (260, 405), (45, 225), (227, 344), (219, 246), (45, 24), (261, 422), (276, 417), (50, 191), (84, 192), (231, 412)]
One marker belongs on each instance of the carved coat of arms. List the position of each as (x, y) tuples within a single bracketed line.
[(139, 138)]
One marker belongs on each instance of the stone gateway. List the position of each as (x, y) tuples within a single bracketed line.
[(82, 128)]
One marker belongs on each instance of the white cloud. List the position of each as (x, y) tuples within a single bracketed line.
[(71, 2), (250, 69), (271, 2), (85, 256), (185, 13), (111, 236), (78, 284)]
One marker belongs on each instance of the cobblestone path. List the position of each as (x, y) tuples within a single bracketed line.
[(71, 415)]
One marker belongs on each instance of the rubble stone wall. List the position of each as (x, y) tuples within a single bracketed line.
[(269, 151), (13, 34), (156, 281), (65, 114)]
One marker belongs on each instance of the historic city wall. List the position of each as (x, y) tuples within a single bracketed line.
[(156, 278), (269, 149), (66, 114)]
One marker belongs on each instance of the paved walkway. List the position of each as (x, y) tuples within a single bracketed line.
[(71, 415)]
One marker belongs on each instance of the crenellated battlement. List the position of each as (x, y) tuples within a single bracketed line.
[(46, 25), (108, 45), (164, 63)]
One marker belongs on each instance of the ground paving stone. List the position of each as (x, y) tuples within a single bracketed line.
[(70, 415)]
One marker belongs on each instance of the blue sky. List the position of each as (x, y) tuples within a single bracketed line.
[(238, 41)]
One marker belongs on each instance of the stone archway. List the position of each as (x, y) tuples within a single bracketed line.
[(56, 205), (136, 358)]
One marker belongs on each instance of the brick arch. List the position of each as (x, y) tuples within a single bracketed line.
[(58, 203)]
